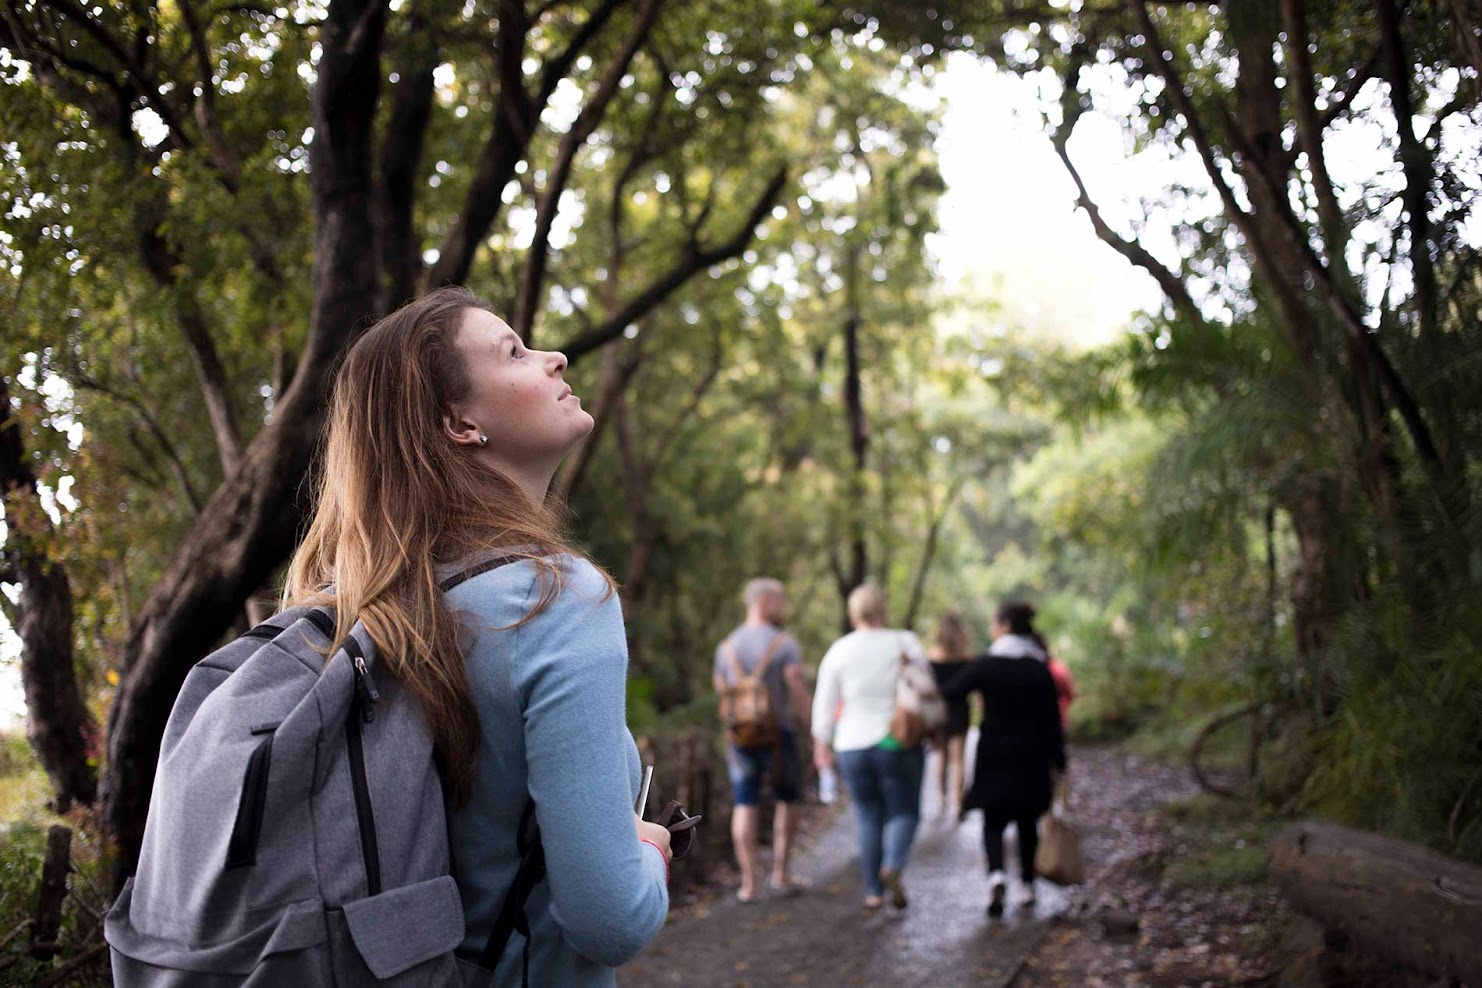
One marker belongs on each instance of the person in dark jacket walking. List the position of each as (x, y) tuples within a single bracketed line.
[(1020, 743)]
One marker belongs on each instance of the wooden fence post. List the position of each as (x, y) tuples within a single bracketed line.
[(52, 893)]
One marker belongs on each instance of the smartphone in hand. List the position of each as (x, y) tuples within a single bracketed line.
[(642, 804)]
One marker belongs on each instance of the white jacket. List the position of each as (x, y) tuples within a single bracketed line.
[(861, 670)]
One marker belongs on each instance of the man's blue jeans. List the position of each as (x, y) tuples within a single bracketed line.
[(885, 788)]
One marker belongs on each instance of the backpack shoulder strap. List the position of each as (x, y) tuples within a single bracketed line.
[(773, 647), (735, 661), (511, 915), (463, 576)]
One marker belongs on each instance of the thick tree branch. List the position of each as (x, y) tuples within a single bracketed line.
[(165, 267), (1416, 162), (1153, 51), (527, 301), (401, 157), (58, 723), (1172, 285), (515, 118), (1309, 139), (368, 27), (691, 263), (1275, 198)]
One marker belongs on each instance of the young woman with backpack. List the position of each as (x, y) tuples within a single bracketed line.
[(418, 772), (444, 433)]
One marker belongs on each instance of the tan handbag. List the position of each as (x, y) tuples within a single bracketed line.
[(920, 710), (1058, 857)]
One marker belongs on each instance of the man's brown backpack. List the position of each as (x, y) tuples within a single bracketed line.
[(746, 703)]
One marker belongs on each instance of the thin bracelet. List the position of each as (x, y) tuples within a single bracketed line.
[(664, 857)]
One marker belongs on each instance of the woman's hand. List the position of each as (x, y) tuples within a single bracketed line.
[(654, 834), (823, 756)]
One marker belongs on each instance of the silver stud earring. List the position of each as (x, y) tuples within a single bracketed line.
[(483, 439)]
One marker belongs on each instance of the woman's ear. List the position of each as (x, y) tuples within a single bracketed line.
[(462, 432)]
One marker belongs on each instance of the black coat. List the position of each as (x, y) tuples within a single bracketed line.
[(1020, 740)]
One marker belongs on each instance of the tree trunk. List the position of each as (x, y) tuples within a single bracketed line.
[(57, 720), (928, 553), (636, 477), (1313, 610), (1408, 903), (397, 243), (250, 525), (859, 435)]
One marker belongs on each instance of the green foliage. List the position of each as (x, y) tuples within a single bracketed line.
[(1224, 842), (24, 791), (22, 851)]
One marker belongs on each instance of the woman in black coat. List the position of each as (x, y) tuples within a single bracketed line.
[(1020, 744)]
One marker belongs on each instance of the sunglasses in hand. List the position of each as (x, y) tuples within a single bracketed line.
[(681, 826)]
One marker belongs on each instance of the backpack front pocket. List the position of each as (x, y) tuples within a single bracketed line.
[(404, 936)]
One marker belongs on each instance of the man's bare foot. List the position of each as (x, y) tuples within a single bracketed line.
[(787, 887)]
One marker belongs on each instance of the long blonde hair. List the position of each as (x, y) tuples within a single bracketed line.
[(395, 497), (952, 640)]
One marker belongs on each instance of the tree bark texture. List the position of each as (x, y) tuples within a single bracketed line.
[(397, 243), (57, 720), (1410, 904)]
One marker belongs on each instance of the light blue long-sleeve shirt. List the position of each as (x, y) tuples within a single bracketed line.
[(551, 699)]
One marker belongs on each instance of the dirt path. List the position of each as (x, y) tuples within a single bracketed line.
[(1184, 934), (1175, 895), (943, 940)]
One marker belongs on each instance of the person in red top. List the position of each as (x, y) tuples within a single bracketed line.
[(1064, 682), (1064, 688)]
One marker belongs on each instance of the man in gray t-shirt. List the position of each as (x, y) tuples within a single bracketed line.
[(751, 642), (766, 607)]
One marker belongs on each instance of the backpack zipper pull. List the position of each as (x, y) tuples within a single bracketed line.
[(365, 690)]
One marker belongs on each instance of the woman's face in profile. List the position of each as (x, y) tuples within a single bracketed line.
[(518, 397)]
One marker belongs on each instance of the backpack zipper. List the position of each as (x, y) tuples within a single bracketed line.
[(362, 711), (241, 849)]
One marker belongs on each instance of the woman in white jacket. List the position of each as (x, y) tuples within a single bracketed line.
[(851, 719)]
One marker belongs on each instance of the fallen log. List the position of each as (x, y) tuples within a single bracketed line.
[(1406, 903)]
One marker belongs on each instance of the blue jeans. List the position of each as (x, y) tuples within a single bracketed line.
[(885, 788)]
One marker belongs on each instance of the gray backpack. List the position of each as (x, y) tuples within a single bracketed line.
[(297, 834)]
